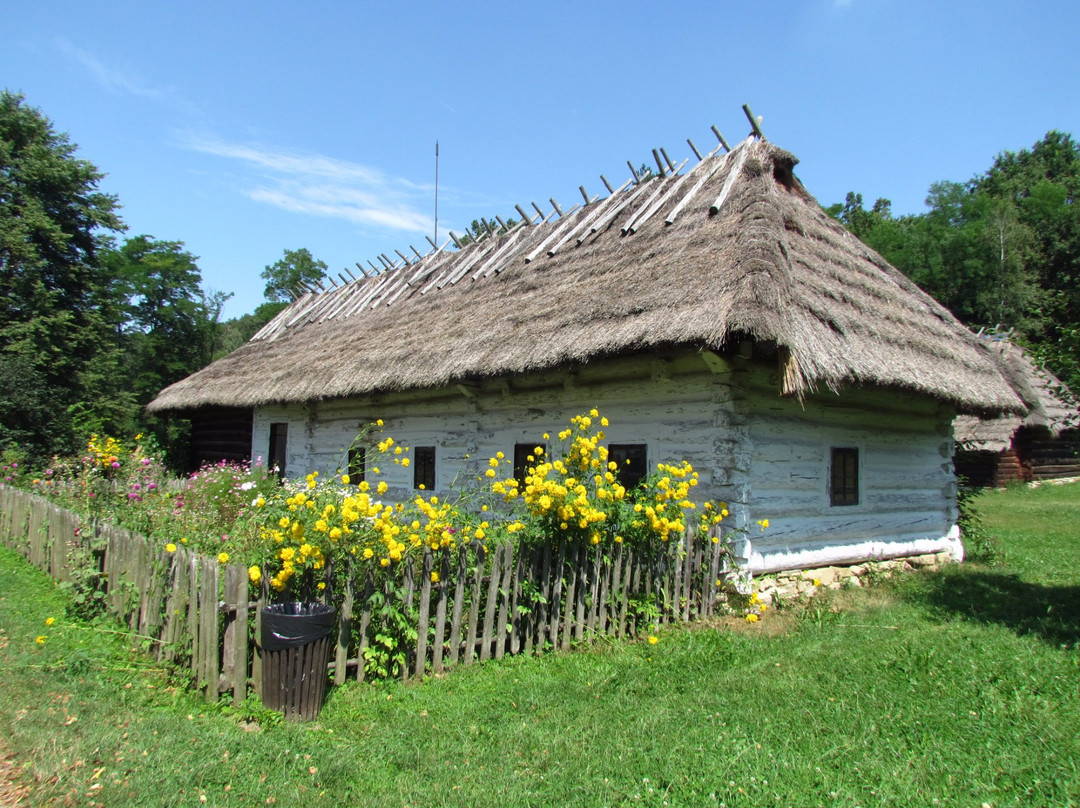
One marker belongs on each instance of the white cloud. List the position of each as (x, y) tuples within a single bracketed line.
[(124, 82), (318, 185), (110, 78)]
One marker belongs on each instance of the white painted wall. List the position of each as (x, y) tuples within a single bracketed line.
[(766, 456)]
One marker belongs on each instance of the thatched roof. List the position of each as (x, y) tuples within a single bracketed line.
[(1048, 403), (733, 248)]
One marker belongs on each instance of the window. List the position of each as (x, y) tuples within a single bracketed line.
[(631, 460), (844, 477), (525, 457), (423, 462), (357, 464), (279, 444)]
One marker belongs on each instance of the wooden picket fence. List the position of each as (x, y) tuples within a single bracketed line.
[(197, 613)]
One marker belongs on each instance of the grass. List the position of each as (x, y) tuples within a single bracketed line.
[(954, 688)]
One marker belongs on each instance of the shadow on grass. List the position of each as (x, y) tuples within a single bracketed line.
[(1051, 613)]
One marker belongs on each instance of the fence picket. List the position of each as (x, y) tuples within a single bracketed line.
[(459, 605), (504, 600), (474, 608), (345, 630), (365, 621), (424, 617), (491, 604), (440, 612), (568, 602)]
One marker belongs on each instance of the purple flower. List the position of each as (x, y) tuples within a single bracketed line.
[(115, 464)]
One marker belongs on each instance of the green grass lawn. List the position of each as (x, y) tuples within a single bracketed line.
[(953, 688)]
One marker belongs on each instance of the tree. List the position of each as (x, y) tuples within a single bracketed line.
[(1000, 249), (166, 318), (289, 274), (53, 224)]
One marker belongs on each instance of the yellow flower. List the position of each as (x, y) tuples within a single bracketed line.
[(382, 487), (50, 620), (434, 577), (255, 574), (379, 422), (817, 582), (405, 462), (259, 502), (40, 639), (345, 478), (751, 618), (170, 548), (223, 558), (653, 640)]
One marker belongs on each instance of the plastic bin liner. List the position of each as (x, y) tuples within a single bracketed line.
[(291, 625)]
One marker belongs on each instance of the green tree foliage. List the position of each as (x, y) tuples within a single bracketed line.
[(238, 330), (54, 223), (1002, 249), (167, 322), (290, 273)]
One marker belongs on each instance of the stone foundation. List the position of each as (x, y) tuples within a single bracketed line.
[(793, 585)]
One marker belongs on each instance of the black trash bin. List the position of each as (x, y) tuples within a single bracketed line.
[(295, 641)]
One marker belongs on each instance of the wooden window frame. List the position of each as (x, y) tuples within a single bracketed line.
[(423, 463), (844, 476), (357, 468), (279, 446), (522, 452), (630, 474)]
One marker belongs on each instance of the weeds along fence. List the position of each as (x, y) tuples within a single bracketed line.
[(198, 614)]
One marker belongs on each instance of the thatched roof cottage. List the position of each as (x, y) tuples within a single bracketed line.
[(1041, 444), (715, 314)]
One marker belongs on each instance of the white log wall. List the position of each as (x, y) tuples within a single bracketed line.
[(768, 457)]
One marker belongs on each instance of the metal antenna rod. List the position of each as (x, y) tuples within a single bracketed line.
[(436, 192)]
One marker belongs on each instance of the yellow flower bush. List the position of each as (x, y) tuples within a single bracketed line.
[(577, 495)]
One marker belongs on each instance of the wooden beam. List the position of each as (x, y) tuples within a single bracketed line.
[(607, 184), (693, 148), (632, 171), (457, 241), (753, 121), (659, 165), (720, 137), (729, 183), (667, 159), (555, 205), (524, 216)]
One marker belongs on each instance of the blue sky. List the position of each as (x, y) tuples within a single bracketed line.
[(247, 128)]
